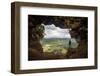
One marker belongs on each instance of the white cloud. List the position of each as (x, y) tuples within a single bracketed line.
[(51, 31)]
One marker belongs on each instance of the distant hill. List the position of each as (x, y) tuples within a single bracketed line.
[(64, 42)]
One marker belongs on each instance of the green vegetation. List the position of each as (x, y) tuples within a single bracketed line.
[(55, 45)]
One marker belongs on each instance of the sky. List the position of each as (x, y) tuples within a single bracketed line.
[(51, 31)]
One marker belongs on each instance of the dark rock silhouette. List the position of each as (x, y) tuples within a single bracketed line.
[(79, 52)]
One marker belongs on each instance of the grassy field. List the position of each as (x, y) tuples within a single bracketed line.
[(56, 45)]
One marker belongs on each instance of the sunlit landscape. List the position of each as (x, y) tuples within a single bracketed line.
[(56, 40)]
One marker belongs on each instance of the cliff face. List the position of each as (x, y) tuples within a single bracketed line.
[(80, 52)]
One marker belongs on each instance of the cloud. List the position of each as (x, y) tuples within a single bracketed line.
[(51, 31)]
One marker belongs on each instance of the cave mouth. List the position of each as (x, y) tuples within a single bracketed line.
[(57, 37)]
